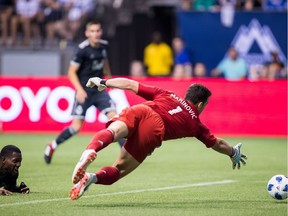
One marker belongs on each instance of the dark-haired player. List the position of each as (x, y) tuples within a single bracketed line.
[(10, 162), (164, 116), (89, 60)]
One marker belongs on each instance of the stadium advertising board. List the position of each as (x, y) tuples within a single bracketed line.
[(236, 108), (253, 34)]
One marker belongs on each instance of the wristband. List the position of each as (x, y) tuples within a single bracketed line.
[(103, 82)]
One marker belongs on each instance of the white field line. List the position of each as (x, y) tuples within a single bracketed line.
[(119, 193)]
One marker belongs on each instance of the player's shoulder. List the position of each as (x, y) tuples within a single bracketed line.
[(161, 92), (150, 46), (104, 44), (84, 44)]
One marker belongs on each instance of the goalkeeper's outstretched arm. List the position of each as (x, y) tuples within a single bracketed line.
[(120, 83), (123, 83), (223, 147), (234, 153)]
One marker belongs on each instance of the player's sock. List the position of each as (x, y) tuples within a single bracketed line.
[(50, 148), (107, 175), (65, 134), (102, 139), (94, 178), (53, 144), (49, 151)]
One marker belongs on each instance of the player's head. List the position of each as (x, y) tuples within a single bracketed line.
[(198, 95), (177, 44), (232, 52), (157, 37), (11, 158), (93, 32)]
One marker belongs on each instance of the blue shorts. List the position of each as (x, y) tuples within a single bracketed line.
[(101, 100)]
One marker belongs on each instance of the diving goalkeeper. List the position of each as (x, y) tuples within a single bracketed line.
[(164, 116)]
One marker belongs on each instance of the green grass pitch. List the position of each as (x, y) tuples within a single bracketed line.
[(165, 184)]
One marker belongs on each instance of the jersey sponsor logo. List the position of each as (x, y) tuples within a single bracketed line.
[(97, 65), (185, 105), (174, 111), (251, 39)]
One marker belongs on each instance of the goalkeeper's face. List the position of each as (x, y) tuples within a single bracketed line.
[(12, 163), (94, 33)]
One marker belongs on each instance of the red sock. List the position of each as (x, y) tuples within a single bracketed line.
[(102, 139), (107, 175)]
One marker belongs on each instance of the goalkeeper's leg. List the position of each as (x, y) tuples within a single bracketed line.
[(125, 164), (121, 141), (102, 139)]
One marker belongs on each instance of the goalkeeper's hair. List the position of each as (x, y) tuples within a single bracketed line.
[(197, 93), (8, 150)]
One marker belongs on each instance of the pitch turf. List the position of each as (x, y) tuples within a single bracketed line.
[(165, 184)]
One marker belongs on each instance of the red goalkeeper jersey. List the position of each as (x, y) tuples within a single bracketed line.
[(180, 117)]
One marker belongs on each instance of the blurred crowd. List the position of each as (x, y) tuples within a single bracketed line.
[(247, 5), (57, 22), (51, 21), (48, 21), (161, 60)]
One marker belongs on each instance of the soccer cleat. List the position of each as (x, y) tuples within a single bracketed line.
[(48, 153), (78, 190), (87, 158)]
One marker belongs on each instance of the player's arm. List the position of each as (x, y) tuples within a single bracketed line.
[(215, 72), (223, 147), (19, 189), (106, 69), (22, 188), (5, 192), (123, 83), (234, 153), (120, 83), (11, 186), (218, 70), (72, 75)]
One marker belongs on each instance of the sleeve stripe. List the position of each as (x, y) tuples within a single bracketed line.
[(74, 63)]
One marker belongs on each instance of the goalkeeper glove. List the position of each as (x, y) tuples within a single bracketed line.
[(96, 81), (237, 156)]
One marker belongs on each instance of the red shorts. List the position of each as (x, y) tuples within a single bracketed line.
[(146, 130)]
